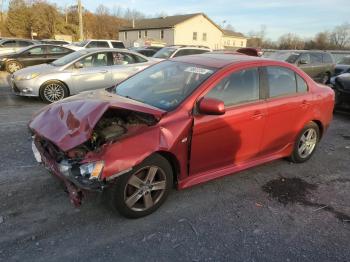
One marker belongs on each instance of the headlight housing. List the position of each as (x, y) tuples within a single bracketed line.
[(92, 170), (27, 77)]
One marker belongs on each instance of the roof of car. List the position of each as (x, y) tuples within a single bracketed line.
[(216, 60)]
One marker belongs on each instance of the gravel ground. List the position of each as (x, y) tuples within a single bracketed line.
[(275, 212)]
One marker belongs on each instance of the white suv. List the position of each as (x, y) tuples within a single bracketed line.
[(180, 50), (92, 43)]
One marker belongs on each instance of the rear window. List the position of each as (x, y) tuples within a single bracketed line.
[(98, 44), (281, 81), (327, 58), (117, 44)]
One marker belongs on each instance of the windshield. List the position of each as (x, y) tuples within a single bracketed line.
[(164, 85), (81, 44), (290, 57), (165, 52), (68, 58), (345, 60)]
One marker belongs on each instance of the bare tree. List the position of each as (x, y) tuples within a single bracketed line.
[(340, 37), (291, 41)]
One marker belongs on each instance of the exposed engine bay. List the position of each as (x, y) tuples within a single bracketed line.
[(113, 125)]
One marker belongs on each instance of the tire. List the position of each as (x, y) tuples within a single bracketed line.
[(135, 186), (13, 66), (305, 146), (53, 91), (326, 78)]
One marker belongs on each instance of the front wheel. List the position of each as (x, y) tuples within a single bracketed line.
[(306, 143), (144, 189), (53, 91), (13, 66)]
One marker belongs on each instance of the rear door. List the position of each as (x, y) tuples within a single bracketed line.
[(286, 104), (235, 137), (94, 74), (319, 68), (304, 63), (55, 52)]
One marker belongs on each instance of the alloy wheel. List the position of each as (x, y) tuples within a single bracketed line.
[(307, 143), (54, 92), (145, 188)]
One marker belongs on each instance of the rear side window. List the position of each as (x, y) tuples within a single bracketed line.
[(116, 44), (281, 81), (24, 43), (316, 58), (57, 50), (98, 44), (301, 84), (327, 58), (239, 87), (10, 43)]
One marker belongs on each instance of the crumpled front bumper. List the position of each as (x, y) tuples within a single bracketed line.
[(76, 184)]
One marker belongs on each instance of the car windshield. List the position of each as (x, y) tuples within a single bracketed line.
[(68, 58), (164, 85), (345, 61), (165, 52), (290, 57), (81, 44)]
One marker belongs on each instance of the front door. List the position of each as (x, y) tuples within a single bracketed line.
[(235, 137), (94, 74)]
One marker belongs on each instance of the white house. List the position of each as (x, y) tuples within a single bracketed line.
[(190, 29)]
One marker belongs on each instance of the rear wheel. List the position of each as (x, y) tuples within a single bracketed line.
[(306, 143), (53, 91), (13, 66), (144, 189)]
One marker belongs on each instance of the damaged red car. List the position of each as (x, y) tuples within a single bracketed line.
[(180, 122)]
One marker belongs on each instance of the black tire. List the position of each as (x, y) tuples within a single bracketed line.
[(53, 91), (13, 66), (297, 156), (121, 194), (326, 78)]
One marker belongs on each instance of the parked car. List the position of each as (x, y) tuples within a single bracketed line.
[(148, 51), (241, 51), (182, 121), (175, 51), (55, 42), (95, 43), (79, 71), (341, 86), (319, 65), (12, 45), (343, 66), (32, 55)]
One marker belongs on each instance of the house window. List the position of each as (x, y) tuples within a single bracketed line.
[(126, 35), (194, 35), (161, 34), (146, 33), (241, 43), (228, 42), (204, 36), (139, 34), (233, 43)]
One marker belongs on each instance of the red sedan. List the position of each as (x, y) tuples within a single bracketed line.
[(183, 121)]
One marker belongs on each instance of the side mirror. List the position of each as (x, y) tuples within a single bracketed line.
[(303, 62), (211, 106), (78, 65)]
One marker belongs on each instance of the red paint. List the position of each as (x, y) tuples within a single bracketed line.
[(244, 136)]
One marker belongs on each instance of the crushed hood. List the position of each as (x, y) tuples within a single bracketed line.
[(70, 122)]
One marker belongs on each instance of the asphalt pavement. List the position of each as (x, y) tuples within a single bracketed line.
[(275, 212)]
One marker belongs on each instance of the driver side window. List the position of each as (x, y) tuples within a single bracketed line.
[(95, 60), (305, 57), (238, 87)]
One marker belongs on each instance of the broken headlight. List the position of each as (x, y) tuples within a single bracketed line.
[(92, 170)]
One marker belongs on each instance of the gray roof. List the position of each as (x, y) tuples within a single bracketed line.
[(162, 22), (232, 33)]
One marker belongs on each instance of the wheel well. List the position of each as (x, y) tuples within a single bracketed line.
[(320, 126), (55, 80), (174, 162)]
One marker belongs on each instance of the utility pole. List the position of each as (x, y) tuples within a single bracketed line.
[(2, 15), (80, 12)]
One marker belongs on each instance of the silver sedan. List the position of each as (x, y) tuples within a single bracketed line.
[(79, 71)]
